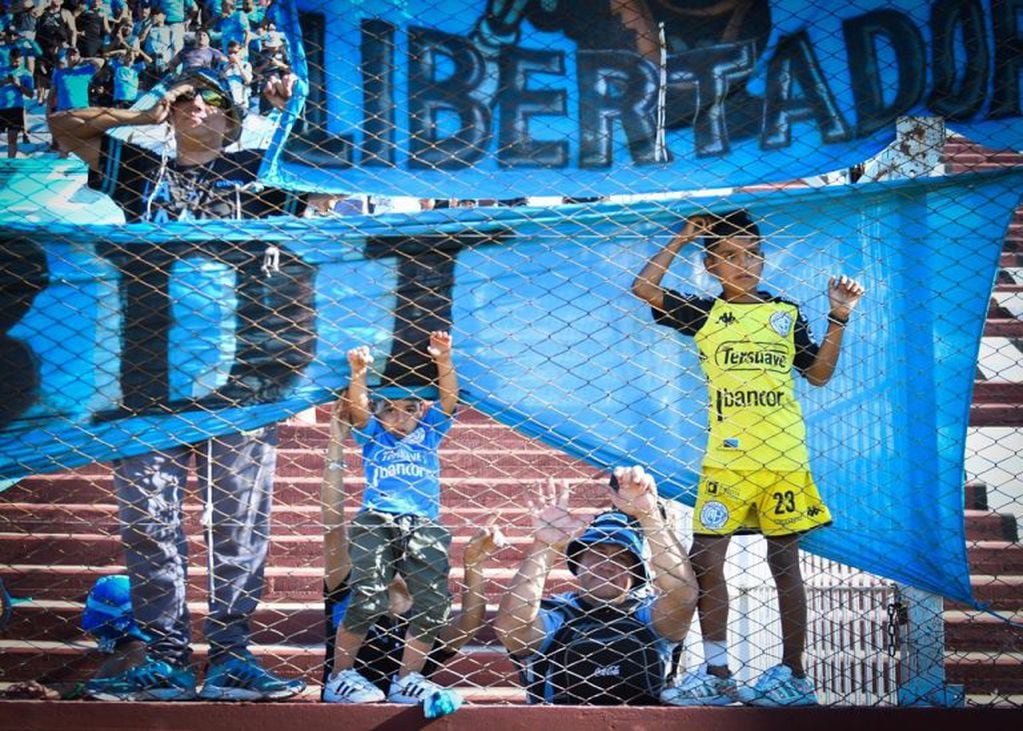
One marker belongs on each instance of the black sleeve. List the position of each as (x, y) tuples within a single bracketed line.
[(686, 313), (806, 348)]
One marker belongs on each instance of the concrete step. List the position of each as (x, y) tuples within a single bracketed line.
[(300, 623), (985, 525), (282, 584), (474, 666), (997, 558), (1001, 414), (997, 392), (1003, 328), (972, 631), (473, 492), (1001, 593), (976, 495), (985, 672), (82, 518), (285, 550)]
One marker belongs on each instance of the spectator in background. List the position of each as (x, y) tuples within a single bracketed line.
[(255, 11), (30, 50), (142, 21), (202, 180), (157, 43), (177, 14), (612, 641), (273, 72), (72, 79), (237, 74), (197, 54), (126, 69), (231, 25), (118, 11), (23, 17), (53, 32), (15, 88), (94, 29)]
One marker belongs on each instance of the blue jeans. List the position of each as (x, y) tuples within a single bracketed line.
[(150, 491)]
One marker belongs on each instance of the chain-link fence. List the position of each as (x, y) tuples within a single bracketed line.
[(268, 253)]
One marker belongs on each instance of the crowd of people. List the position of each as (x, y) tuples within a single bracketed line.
[(615, 638), (57, 55)]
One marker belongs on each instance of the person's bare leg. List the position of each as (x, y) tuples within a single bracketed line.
[(413, 658), (783, 559), (707, 556), (346, 648)]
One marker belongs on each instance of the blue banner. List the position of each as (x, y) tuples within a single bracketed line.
[(123, 339), (510, 98)]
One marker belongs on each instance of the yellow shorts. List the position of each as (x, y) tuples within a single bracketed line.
[(761, 501)]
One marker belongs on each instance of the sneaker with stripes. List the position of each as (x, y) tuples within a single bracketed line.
[(700, 688), (779, 687), (411, 689), (242, 678), (349, 686)]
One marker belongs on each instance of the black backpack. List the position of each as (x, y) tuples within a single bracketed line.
[(600, 656)]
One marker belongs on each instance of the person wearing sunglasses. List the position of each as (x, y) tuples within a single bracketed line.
[(201, 179)]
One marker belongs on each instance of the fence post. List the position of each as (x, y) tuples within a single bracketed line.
[(918, 152)]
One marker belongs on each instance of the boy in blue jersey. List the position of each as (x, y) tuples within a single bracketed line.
[(396, 531)]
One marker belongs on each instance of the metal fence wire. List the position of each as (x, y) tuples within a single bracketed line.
[(200, 371)]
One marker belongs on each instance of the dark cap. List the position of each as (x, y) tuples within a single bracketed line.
[(616, 528), (209, 79)]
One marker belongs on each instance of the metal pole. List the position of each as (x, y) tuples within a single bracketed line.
[(917, 152)]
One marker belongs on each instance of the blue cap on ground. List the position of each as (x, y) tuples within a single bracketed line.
[(108, 614), (617, 528)]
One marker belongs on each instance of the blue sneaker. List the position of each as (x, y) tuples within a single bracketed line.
[(153, 680), (244, 679), (700, 688), (778, 687)]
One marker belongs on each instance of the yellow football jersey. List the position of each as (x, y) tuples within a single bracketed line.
[(748, 352)]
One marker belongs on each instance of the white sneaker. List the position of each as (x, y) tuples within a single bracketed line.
[(349, 686), (700, 688), (778, 687), (411, 689)]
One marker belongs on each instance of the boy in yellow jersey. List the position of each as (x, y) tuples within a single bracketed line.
[(756, 473)]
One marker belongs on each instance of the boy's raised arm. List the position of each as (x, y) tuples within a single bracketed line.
[(447, 379), (844, 293), (359, 360), (647, 284)]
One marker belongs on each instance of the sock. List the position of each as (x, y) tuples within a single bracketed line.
[(715, 653)]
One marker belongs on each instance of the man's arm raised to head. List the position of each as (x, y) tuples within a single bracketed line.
[(80, 131), (518, 623)]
